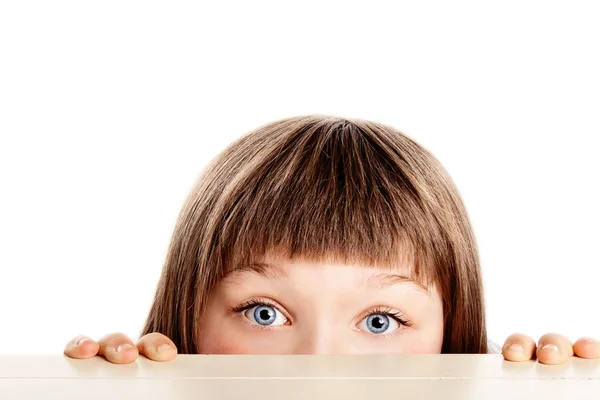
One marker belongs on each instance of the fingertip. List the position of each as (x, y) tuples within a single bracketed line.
[(551, 354), (88, 348), (125, 353), (587, 348), (518, 347), (81, 347), (157, 347), (117, 348), (516, 352), (554, 349), (167, 352), (520, 337), (160, 352)]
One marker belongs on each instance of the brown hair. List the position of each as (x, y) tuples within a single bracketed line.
[(324, 189)]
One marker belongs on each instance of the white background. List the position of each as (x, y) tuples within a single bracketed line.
[(109, 110)]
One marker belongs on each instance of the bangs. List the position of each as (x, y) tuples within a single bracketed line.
[(331, 190)]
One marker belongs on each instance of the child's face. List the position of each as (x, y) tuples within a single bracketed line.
[(304, 308)]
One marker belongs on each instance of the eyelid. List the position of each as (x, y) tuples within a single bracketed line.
[(397, 315), (258, 301)]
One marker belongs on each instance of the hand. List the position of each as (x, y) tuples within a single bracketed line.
[(119, 349), (552, 348)]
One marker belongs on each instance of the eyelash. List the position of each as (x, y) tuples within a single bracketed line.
[(396, 315), (253, 303)]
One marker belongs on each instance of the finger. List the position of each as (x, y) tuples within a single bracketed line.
[(587, 348), (554, 349), (157, 347), (81, 347), (518, 347), (118, 348)]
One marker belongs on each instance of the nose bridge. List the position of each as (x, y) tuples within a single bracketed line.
[(322, 323), (320, 337)]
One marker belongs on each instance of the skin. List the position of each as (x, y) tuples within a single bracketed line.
[(321, 309)]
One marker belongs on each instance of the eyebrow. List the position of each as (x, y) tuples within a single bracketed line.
[(386, 280), (269, 271), (380, 281)]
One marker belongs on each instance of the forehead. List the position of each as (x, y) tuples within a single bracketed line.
[(363, 276)]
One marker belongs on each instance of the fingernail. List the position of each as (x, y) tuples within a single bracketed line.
[(81, 340), (551, 347), (516, 347), (123, 347), (164, 347)]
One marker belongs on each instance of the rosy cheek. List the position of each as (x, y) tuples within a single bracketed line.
[(217, 344), (230, 349)]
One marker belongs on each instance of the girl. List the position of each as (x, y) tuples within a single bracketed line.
[(322, 235)]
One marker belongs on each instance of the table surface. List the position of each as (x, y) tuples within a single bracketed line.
[(447, 376)]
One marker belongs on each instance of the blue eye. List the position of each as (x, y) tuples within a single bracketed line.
[(378, 324), (265, 315)]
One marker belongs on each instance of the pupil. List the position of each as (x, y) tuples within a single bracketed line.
[(265, 314), (377, 323)]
